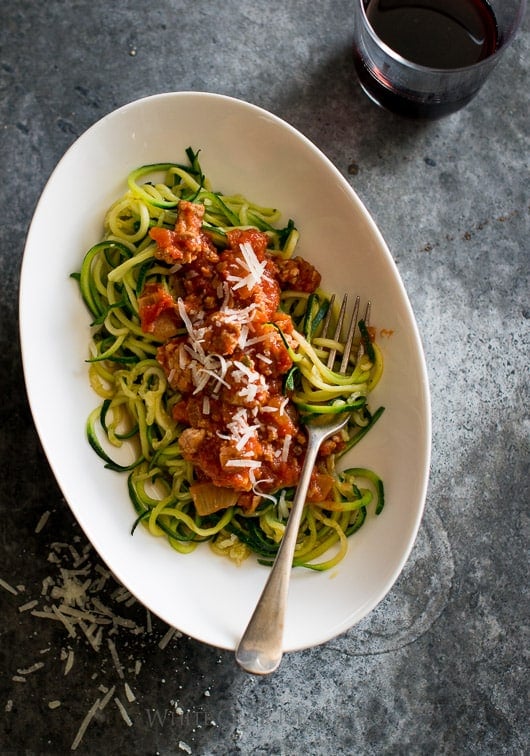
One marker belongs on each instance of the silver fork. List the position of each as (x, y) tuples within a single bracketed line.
[(260, 649)]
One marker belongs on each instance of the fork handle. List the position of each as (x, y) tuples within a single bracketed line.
[(260, 649)]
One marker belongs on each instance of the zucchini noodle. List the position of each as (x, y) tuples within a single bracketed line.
[(136, 428)]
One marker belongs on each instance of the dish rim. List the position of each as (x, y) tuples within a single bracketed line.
[(260, 112)]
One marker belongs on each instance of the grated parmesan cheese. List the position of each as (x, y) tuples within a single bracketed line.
[(123, 711), (106, 698), (42, 522), (254, 267), (242, 341), (129, 693), (7, 587), (71, 597), (84, 724), (115, 658), (286, 446), (30, 670), (243, 463), (240, 432), (69, 662), (256, 484), (257, 339), (167, 637), (283, 511), (46, 583), (28, 605), (193, 335)]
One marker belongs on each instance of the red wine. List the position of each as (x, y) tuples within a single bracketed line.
[(443, 34), (435, 33)]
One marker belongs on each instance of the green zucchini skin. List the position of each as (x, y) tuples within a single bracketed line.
[(125, 268)]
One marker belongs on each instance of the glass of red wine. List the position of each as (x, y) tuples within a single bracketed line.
[(429, 58)]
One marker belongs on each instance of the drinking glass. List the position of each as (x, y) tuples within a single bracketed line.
[(420, 90)]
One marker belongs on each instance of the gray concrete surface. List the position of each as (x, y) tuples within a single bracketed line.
[(441, 665)]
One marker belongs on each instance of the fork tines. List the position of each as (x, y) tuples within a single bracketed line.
[(348, 341)]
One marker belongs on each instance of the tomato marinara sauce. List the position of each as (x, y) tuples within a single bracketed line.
[(224, 352), (209, 350)]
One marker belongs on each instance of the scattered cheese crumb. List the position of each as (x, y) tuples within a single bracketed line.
[(123, 711), (115, 658), (128, 693), (184, 746), (69, 662), (29, 670), (84, 724), (8, 587), (46, 583), (167, 637), (42, 522), (28, 605), (71, 596), (68, 625), (106, 698)]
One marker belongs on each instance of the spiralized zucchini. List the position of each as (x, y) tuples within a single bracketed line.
[(134, 420)]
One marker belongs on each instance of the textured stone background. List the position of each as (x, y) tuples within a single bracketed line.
[(441, 665)]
